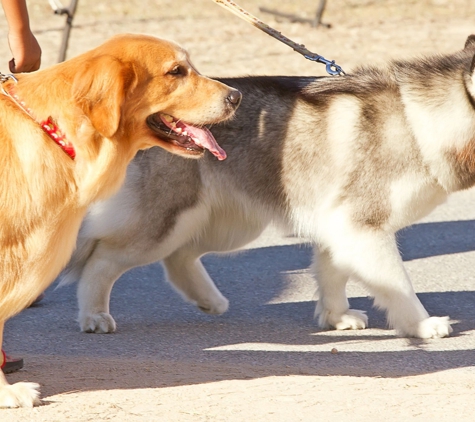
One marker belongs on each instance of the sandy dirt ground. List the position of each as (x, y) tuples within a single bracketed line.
[(252, 363)]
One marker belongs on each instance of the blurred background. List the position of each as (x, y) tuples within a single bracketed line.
[(221, 44)]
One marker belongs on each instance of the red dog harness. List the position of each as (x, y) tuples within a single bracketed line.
[(49, 126)]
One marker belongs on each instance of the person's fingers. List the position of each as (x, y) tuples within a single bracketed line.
[(26, 53), (12, 66), (16, 67)]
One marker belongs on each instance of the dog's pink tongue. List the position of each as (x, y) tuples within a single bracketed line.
[(205, 139)]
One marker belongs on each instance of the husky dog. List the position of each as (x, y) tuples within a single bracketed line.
[(345, 161)]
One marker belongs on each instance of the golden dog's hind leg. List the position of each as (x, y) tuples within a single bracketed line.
[(21, 394)]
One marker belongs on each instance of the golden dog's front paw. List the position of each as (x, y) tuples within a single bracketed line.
[(21, 394)]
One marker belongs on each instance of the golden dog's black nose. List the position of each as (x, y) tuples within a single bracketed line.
[(234, 98)]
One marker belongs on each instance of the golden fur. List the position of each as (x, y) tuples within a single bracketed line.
[(101, 101)]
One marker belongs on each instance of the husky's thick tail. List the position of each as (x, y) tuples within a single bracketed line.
[(73, 271)]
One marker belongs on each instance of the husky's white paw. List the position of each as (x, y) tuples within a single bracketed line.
[(433, 327), (215, 306), (21, 394), (100, 323), (352, 319)]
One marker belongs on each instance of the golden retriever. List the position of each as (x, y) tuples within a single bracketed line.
[(67, 134)]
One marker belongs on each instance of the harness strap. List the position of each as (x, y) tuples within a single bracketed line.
[(49, 126)]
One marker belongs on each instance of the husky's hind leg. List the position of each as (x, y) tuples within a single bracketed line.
[(333, 309), (187, 274), (371, 256), (94, 288), (228, 229)]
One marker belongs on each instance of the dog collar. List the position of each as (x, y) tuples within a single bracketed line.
[(49, 126)]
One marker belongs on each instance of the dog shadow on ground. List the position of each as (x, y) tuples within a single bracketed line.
[(433, 239), (162, 341)]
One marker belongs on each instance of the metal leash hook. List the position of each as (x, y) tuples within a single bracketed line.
[(5, 78), (331, 67)]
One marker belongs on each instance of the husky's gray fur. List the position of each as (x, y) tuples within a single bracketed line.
[(344, 161)]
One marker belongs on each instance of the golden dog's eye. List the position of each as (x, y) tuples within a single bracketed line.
[(177, 70)]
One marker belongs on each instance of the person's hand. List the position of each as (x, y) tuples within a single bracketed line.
[(26, 52)]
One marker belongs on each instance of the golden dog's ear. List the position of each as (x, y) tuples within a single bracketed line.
[(100, 91)]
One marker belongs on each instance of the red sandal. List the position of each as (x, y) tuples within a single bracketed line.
[(10, 365)]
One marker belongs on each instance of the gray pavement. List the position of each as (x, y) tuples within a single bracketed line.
[(270, 322)]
